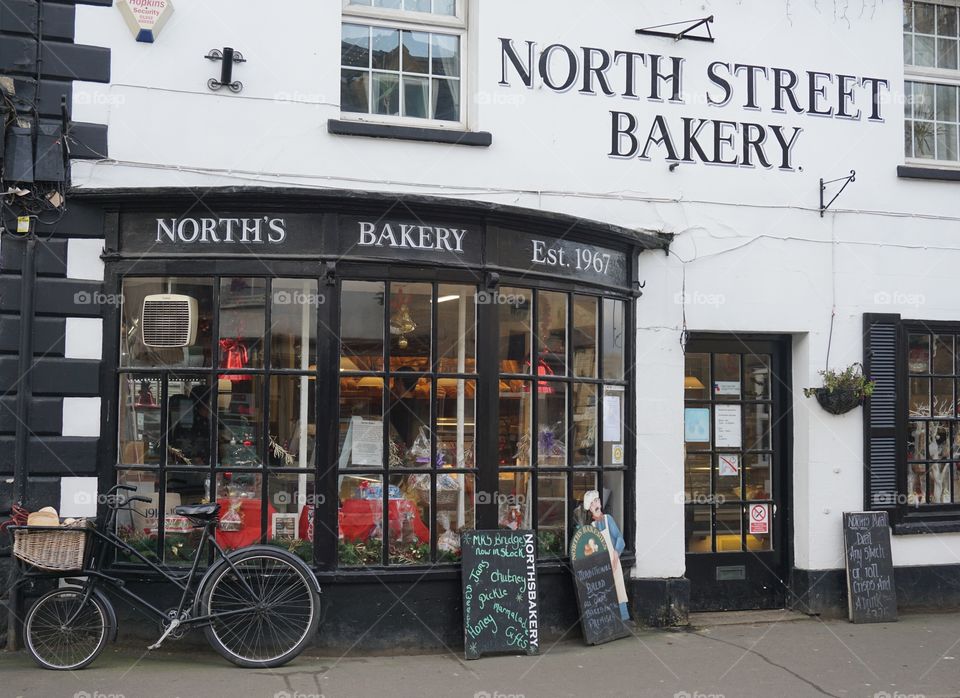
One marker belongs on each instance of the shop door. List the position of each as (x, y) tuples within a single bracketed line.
[(736, 433)]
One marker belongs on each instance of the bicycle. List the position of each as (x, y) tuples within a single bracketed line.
[(258, 606)]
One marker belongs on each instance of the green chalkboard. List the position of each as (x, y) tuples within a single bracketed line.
[(501, 602)]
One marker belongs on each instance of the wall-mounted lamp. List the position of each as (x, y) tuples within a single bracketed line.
[(229, 57)]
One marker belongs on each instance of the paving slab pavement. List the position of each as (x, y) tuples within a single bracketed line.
[(918, 656)]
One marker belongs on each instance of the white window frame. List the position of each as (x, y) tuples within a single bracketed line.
[(420, 22), (933, 76)]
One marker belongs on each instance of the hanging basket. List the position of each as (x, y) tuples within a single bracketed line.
[(840, 400)]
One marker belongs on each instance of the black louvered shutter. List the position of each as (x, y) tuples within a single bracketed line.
[(881, 353)]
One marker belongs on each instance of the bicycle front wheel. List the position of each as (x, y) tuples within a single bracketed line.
[(263, 610), (64, 631)]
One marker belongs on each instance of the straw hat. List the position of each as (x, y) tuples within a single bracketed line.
[(45, 517)]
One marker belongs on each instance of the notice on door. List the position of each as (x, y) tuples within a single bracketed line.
[(729, 464), (760, 519), (727, 426)]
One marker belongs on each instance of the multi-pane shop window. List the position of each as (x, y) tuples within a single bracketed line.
[(933, 429), (403, 59), (216, 403), (931, 45)]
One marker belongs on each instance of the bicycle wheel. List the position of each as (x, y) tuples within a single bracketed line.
[(64, 632), (264, 613)]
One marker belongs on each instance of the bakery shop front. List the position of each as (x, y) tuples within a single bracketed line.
[(359, 379)]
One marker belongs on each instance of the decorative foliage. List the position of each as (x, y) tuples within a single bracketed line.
[(842, 390)]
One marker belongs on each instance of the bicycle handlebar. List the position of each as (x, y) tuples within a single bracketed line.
[(139, 499), (121, 487)]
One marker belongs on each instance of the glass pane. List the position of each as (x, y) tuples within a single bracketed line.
[(417, 5), (943, 357), (385, 49), (584, 424), (726, 377), (389, 4), (584, 337), (757, 482), (614, 337), (551, 336), (956, 440), (188, 420), (408, 522), (181, 537), (757, 376), (924, 18), (240, 422), (916, 484), (293, 324), (946, 21), (409, 420), (613, 497), (137, 525), (139, 433), (727, 477), (907, 16), (240, 496), (166, 322), (923, 100), (516, 327), (293, 430), (728, 529), (947, 54), (514, 500), (291, 513), (698, 529), (552, 428), (908, 49), (515, 420), (938, 440), (938, 486), (445, 58), (361, 326), (416, 52), (416, 97), (908, 99), (552, 514), (919, 353), (361, 422), (946, 142), (943, 397), (457, 328), (455, 513), (385, 97), (956, 484), (445, 7), (446, 100), (697, 478), (243, 302), (354, 91), (355, 46), (908, 139), (916, 440), (583, 482), (757, 429), (456, 422), (919, 397), (613, 426), (361, 520), (410, 322), (697, 425), (761, 541), (696, 379), (924, 51)]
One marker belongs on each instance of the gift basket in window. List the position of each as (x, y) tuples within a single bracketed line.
[(47, 544)]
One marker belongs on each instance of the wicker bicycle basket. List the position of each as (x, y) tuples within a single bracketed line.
[(59, 549)]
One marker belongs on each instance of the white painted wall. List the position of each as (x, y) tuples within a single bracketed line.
[(755, 253)]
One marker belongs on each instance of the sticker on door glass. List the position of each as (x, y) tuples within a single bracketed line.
[(617, 455), (726, 388), (760, 519), (729, 464), (727, 419), (696, 425)]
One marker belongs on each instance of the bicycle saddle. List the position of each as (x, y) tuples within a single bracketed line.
[(198, 511)]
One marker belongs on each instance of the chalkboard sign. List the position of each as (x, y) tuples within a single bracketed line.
[(871, 595), (596, 593), (500, 596)]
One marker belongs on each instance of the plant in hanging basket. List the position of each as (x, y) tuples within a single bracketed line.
[(842, 390)]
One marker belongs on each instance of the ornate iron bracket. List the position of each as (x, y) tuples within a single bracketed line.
[(823, 187), (229, 57), (685, 34)]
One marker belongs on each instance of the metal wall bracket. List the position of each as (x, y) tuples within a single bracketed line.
[(691, 24), (823, 187), (229, 57), (329, 273)]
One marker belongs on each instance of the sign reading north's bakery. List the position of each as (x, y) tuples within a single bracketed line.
[(639, 134), (445, 242)]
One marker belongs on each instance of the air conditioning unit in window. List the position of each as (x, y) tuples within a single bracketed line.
[(169, 320)]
